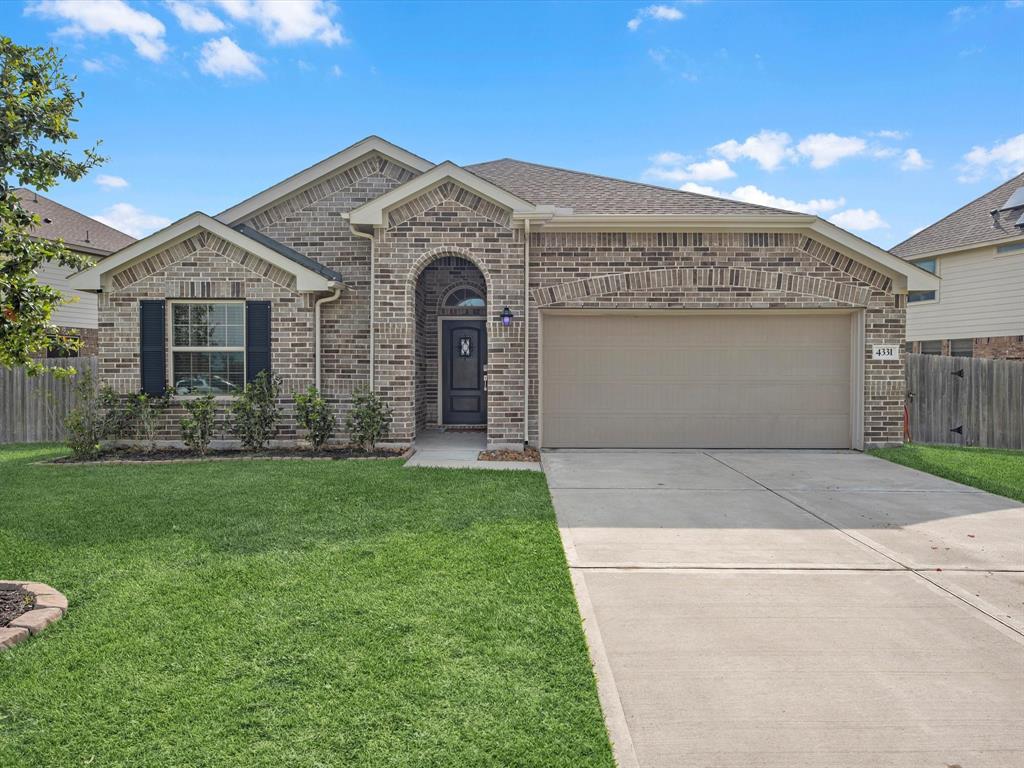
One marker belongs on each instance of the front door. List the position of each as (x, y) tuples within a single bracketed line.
[(463, 361)]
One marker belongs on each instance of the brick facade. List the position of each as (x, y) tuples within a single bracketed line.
[(447, 237), (990, 347)]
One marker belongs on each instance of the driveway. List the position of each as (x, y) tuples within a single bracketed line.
[(789, 609)]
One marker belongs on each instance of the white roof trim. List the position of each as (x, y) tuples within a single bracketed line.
[(374, 213), (314, 173), (92, 279), (917, 279)]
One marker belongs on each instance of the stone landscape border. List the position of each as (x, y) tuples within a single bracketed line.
[(50, 606)]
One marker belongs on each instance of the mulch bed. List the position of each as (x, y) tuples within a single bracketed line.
[(14, 601), (529, 454), (121, 455)]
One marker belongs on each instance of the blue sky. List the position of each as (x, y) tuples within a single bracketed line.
[(884, 117)]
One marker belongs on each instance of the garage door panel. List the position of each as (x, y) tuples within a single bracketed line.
[(696, 381)]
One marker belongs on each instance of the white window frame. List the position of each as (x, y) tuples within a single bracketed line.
[(172, 347), (920, 302)]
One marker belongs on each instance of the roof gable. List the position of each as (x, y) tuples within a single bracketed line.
[(307, 278), (313, 174), (976, 223)]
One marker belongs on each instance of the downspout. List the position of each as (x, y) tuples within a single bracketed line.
[(336, 288), (526, 332), (373, 291)]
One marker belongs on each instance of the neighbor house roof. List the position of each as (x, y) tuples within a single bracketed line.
[(981, 221), (587, 193), (78, 231)]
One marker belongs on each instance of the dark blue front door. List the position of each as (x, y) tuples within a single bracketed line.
[(463, 357)]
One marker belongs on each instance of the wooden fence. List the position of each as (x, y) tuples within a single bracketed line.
[(966, 401), (32, 408)]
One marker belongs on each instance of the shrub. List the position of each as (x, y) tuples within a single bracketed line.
[(369, 419), (314, 415), (142, 412), (255, 413), (94, 417), (197, 426)]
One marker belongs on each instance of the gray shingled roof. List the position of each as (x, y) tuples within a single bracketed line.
[(76, 229), (973, 224), (587, 193)]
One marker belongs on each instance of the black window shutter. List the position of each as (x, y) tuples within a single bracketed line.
[(257, 338), (152, 341)]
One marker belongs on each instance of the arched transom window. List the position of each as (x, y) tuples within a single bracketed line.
[(464, 297)]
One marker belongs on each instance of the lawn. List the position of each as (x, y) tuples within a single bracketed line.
[(999, 472), (291, 613)]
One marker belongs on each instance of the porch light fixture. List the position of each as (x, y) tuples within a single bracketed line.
[(506, 317)]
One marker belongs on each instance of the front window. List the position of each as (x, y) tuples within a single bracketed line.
[(931, 347), (929, 265), (464, 298), (961, 347), (208, 347)]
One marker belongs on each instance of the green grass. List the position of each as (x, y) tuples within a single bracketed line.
[(999, 472), (290, 613)]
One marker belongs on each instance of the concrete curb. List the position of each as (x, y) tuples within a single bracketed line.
[(50, 606)]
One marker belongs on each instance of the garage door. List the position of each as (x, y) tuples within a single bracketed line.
[(696, 381)]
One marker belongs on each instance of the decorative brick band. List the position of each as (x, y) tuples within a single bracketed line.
[(50, 606), (203, 241), (449, 192), (726, 278)]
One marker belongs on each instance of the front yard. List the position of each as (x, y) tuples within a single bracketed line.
[(299, 613), (999, 472)]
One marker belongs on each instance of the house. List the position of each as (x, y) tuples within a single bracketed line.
[(978, 251), (77, 317), (544, 305)]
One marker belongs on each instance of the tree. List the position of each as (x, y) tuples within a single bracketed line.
[(37, 107)]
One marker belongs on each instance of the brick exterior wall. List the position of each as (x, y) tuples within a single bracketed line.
[(449, 236), (991, 347)]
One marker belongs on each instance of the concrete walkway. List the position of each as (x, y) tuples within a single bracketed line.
[(795, 609), (458, 449)]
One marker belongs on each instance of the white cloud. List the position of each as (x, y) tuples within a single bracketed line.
[(913, 161), (709, 170), (103, 17), (1015, 3), (111, 182), (961, 13), (897, 135), (827, 149), (134, 221), (656, 12), (288, 22), (93, 65), (1006, 159), (858, 219), (767, 148), (752, 194), (223, 58), (194, 18), (336, 71)]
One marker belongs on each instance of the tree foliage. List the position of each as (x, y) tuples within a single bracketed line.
[(37, 107)]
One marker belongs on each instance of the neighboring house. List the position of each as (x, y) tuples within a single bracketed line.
[(78, 317), (978, 251), (545, 305)]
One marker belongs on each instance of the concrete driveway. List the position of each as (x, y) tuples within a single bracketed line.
[(788, 609)]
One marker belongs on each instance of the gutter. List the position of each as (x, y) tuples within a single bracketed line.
[(526, 332), (335, 295), (373, 293)]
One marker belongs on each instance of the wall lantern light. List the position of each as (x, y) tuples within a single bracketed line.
[(506, 317)]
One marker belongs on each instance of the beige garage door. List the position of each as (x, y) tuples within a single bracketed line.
[(696, 381)]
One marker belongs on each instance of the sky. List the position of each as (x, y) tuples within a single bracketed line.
[(882, 117)]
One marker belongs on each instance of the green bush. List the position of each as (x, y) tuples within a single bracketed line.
[(95, 417), (369, 419), (141, 412), (197, 426), (255, 412), (315, 416)]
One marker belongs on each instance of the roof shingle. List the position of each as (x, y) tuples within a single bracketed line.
[(58, 222), (973, 224), (587, 193)]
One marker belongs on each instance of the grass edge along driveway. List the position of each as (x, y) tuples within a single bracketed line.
[(996, 471), (300, 613)]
